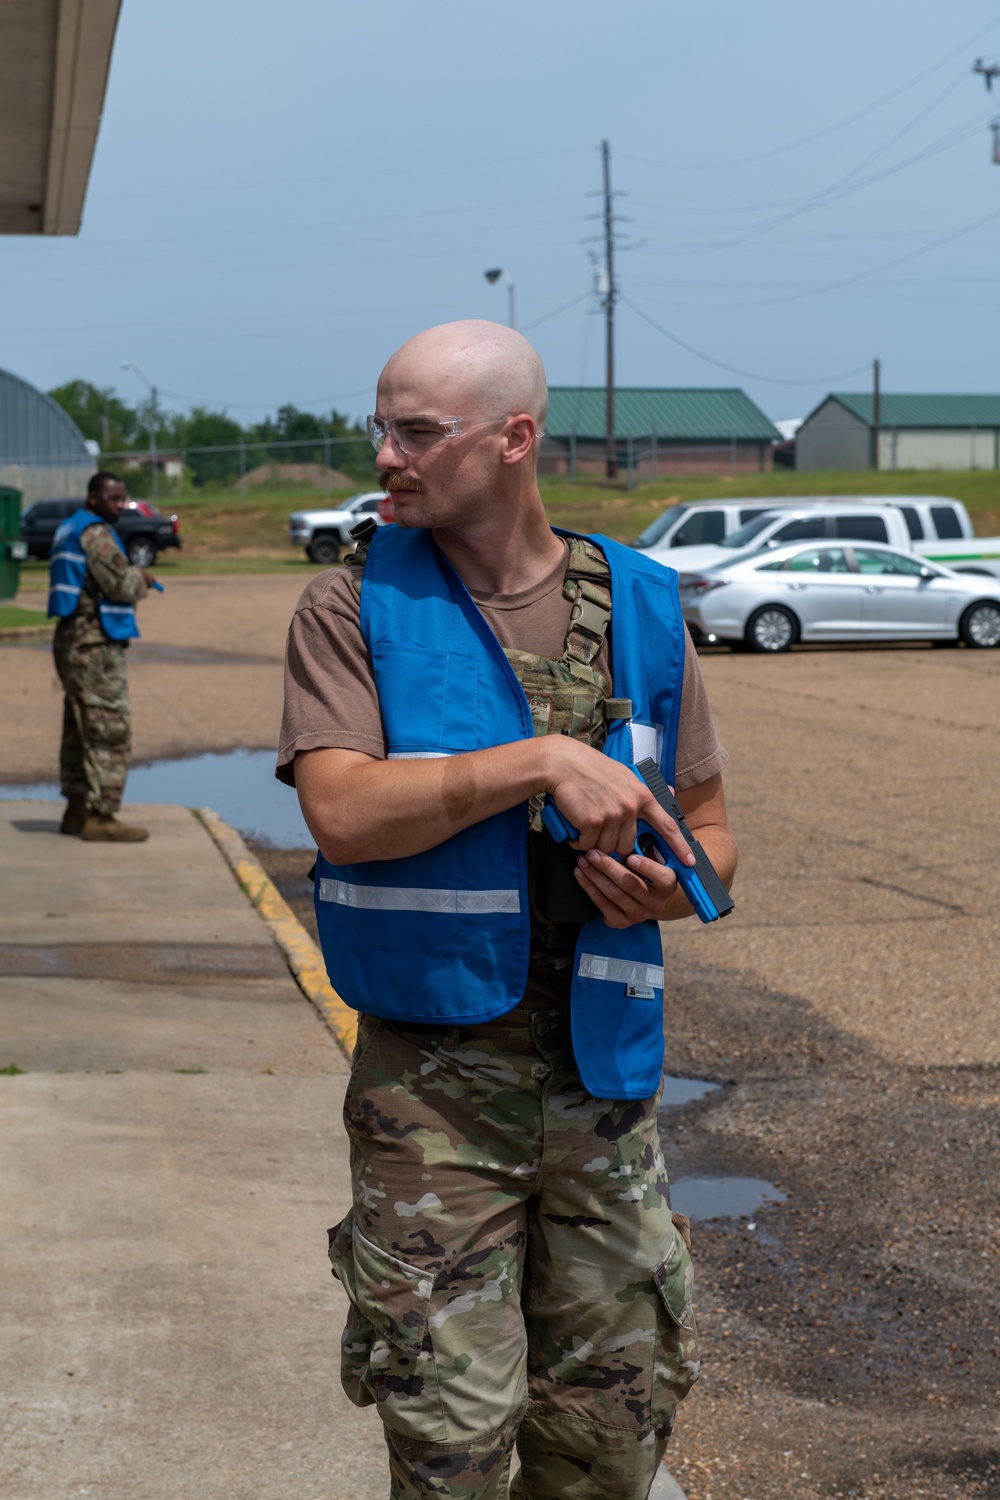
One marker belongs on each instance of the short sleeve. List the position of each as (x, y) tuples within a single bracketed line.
[(331, 702), (699, 754)]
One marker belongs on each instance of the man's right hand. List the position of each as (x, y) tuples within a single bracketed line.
[(605, 800)]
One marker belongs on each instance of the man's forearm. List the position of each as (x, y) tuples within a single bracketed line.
[(358, 808)]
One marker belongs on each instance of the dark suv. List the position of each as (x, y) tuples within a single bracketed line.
[(144, 530)]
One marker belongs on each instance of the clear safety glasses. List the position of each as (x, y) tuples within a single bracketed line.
[(416, 434)]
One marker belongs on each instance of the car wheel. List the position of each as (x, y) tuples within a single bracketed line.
[(141, 552), (772, 629), (324, 550), (980, 625)]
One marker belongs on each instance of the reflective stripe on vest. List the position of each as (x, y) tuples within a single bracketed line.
[(619, 970), (420, 898), (442, 936)]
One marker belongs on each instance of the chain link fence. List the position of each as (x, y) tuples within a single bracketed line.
[(322, 464)]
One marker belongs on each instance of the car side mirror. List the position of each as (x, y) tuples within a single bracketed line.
[(927, 573), (772, 542)]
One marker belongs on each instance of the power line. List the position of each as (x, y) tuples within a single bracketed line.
[(367, 175), (889, 265), (334, 224), (817, 135), (839, 190), (565, 306), (734, 369), (849, 184)]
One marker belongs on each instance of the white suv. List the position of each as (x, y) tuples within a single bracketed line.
[(324, 533)]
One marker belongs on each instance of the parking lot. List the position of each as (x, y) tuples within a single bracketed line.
[(848, 1008)]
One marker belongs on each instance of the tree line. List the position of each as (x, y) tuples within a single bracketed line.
[(117, 427)]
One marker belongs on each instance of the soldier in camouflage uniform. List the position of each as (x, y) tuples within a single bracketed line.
[(96, 742), (515, 1274)]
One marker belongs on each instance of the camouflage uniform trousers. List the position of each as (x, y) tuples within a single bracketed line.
[(97, 724), (512, 1265)]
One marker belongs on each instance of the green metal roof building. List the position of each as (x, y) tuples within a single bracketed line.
[(915, 432), (657, 430)]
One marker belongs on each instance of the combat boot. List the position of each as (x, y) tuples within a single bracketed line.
[(104, 828), (75, 816)]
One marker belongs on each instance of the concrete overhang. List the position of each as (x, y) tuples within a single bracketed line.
[(54, 60)]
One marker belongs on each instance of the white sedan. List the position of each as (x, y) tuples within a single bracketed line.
[(849, 592)]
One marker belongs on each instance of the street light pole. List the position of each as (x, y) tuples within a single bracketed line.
[(493, 277), (154, 411)]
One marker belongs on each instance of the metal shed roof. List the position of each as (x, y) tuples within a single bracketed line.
[(708, 416), (33, 429), (923, 411)]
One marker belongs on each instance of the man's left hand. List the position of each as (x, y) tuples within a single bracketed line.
[(629, 891)]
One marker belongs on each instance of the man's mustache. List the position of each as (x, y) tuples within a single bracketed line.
[(392, 482)]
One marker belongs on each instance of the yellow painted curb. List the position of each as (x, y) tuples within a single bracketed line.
[(301, 953)]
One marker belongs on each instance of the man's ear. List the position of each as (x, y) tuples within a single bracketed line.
[(519, 439)]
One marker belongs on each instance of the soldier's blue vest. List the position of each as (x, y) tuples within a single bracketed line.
[(442, 936), (68, 570)]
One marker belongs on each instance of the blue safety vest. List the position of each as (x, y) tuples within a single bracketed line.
[(442, 937), (68, 570)]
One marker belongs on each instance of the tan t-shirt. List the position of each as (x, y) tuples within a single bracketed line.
[(330, 697)]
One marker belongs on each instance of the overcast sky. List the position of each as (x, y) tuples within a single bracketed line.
[(283, 193)]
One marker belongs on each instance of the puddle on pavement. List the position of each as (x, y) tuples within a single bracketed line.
[(722, 1197), (239, 785), (684, 1090), (708, 1197)]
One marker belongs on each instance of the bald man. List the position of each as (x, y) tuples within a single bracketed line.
[(514, 1271)]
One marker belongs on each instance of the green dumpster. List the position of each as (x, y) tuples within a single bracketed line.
[(13, 550)]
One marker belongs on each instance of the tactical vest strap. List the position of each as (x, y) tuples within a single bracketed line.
[(588, 588), (361, 535)]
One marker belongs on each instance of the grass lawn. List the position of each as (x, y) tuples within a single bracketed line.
[(12, 617), (215, 525), (223, 533)]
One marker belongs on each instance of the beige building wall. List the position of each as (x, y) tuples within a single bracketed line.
[(939, 448), (47, 482), (833, 438)]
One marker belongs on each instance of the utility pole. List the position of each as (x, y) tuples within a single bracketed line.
[(876, 410), (153, 426), (611, 461)]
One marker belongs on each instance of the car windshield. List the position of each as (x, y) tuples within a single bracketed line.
[(745, 534), (655, 529)]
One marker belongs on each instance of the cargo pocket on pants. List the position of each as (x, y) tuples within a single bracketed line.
[(676, 1362), (386, 1353)]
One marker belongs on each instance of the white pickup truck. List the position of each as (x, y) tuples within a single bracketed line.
[(711, 531), (325, 533)]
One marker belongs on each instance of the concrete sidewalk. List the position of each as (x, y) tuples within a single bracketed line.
[(169, 1163)]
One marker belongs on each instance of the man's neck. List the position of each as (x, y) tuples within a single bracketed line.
[(508, 555), (504, 561)]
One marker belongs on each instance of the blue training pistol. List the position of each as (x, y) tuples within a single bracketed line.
[(699, 882)]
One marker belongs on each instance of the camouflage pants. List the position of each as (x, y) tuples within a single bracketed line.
[(513, 1270), (97, 724)]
